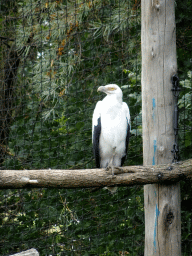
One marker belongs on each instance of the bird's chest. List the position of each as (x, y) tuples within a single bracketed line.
[(112, 114), (114, 126)]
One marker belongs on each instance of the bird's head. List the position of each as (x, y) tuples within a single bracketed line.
[(110, 89)]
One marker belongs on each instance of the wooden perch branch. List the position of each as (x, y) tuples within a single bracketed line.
[(129, 175)]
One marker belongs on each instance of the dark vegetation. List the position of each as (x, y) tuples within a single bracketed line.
[(54, 55)]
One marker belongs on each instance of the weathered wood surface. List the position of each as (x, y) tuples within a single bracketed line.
[(162, 203), (31, 252), (129, 175)]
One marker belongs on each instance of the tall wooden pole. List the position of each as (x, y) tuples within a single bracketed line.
[(162, 202)]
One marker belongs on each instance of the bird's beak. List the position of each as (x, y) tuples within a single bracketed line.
[(101, 89)]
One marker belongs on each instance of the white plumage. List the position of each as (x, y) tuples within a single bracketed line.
[(110, 128)]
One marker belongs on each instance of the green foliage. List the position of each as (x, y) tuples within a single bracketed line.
[(73, 222), (183, 33), (185, 120), (185, 149), (64, 63), (69, 49)]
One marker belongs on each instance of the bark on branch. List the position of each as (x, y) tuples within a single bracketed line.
[(128, 175)]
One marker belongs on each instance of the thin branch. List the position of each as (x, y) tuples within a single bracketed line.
[(6, 38)]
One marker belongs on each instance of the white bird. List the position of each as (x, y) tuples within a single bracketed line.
[(110, 128)]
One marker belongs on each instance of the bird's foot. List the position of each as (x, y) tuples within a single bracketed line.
[(118, 170), (114, 170), (110, 169)]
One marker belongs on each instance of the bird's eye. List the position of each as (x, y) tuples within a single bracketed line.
[(112, 88)]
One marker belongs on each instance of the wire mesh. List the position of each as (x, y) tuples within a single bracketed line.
[(184, 50), (54, 55)]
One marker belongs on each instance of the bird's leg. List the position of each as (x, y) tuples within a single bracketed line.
[(114, 169), (111, 166)]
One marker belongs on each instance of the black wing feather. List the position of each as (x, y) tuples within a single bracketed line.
[(126, 143), (96, 137)]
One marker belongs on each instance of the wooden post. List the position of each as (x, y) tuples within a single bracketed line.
[(162, 202)]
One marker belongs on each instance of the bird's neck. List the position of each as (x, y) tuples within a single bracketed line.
[(114, 98)]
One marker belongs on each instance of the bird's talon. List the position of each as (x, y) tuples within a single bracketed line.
[(108, 168), (119, 169)]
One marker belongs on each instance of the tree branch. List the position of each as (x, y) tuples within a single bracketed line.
[(6, 38), (126, 176)]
